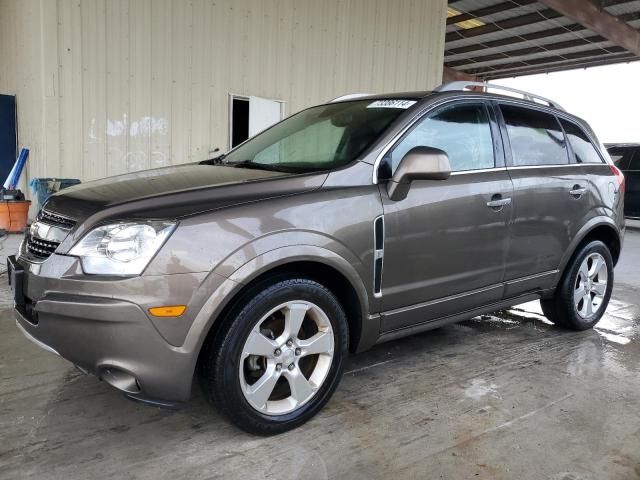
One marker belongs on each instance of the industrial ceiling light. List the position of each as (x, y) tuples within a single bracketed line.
[(465, 24)]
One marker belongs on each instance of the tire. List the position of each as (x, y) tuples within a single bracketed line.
[(261, 322), (570, 307)]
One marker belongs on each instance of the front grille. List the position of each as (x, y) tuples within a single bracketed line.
[(40, 248), (53, 227), (55, 219)]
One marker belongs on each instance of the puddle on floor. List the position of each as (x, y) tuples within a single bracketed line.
[(619, 325), (479, 388)]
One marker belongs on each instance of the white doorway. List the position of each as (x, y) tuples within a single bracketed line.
[(250, 115)]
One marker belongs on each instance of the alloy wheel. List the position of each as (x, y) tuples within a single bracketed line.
[(591, 285), (286, 357)]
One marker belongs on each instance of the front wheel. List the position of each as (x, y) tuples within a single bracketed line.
[(583, 294), (279, 358)]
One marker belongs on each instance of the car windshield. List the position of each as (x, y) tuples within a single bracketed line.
[(319, 138)]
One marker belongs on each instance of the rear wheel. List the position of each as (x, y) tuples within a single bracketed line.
[(583, 294), (279, 359)]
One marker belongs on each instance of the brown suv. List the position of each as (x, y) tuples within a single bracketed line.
[(348, 224)]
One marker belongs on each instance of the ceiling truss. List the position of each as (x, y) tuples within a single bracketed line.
[(487, 40)]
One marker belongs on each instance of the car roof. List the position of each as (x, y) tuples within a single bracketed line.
[(354, 97), (425, 94)]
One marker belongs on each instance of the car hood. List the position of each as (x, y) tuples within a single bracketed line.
[(174, 192)]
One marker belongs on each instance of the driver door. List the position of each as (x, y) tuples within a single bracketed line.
[(446, 242)]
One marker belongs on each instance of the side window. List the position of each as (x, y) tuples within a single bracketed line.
[(462, 131), (536, 137), (583, 149)]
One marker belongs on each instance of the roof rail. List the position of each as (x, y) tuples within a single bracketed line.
[(462, 85), (350, 96)]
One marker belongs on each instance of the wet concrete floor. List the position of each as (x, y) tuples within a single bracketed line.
[(507, 396)]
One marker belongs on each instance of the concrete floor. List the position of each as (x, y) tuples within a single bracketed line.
[(510, 396)]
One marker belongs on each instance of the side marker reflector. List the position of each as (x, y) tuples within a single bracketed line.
[(168, 311)]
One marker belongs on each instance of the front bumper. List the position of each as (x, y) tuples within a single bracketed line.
[(33, 339), (114, 338)]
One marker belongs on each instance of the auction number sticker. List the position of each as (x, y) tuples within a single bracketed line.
[(404, 104)]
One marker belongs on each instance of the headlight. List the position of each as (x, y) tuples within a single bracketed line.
[(121, 248)]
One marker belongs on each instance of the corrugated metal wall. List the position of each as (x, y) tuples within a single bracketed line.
[(110, 86)]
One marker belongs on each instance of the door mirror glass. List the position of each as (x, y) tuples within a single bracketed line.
[(419, 163)]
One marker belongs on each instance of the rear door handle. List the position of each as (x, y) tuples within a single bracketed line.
[(497, 202), (577, 191)]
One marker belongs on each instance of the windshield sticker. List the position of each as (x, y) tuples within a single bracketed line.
[(404, 104)]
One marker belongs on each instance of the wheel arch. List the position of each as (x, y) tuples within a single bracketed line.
[(327, 275), (604, 230), (311, 262), (609, 236)]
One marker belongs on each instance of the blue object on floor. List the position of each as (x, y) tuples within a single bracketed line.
[(14, 176)]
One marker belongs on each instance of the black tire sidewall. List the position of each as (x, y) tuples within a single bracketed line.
[(226, 389), (573, 319)]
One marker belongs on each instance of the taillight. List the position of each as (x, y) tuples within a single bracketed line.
[(619, 176)]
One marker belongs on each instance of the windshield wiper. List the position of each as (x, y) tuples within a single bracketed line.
[(213, 161), (260, 166)]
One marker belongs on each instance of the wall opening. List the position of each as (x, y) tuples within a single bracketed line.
[(239, 120), (248, 116), (8, 135)]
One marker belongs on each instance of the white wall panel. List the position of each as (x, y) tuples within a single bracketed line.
[(110, 86)]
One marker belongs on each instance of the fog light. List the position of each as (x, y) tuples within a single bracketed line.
[(168, 311), (120, 379)]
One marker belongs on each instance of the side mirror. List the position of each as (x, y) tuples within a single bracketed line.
[(419, 163)]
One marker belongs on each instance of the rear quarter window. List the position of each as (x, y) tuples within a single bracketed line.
[(583, 149), (535, 137)]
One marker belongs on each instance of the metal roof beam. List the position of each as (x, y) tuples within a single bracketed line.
[(534, 62), (512, 40), (556, 67), (490, 10), (527, 51), (599, 21), (513, 22), (627, 17)]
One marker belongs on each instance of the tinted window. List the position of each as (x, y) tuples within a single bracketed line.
[(535, 137), (621, 157), (583, 149), (462, 131), (635, 161)]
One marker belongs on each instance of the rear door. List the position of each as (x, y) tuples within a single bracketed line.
[(551, 197), (590, 165)]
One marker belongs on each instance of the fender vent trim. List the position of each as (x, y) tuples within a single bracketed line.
[(378, 255)]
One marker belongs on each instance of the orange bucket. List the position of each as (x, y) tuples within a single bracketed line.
[(13, 215)]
